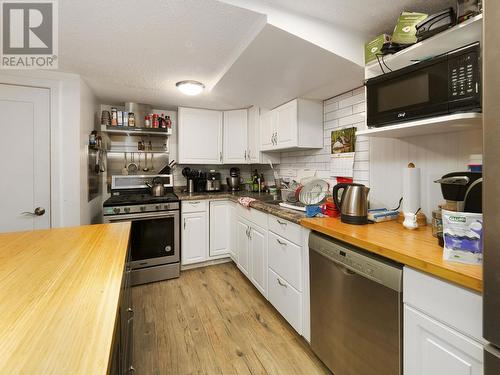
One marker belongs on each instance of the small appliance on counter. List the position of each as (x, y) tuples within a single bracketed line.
[(213, 182), (234, 179), (353, 204), (462, 191)]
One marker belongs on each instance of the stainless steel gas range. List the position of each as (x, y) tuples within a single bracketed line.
[(155, 233)]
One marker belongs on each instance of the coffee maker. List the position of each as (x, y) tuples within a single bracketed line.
[(233, 181), (462, 191)]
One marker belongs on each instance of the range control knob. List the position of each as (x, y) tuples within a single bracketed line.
[(143, 208), (166, 207), (126, 209), (116, 210), (158, 207)]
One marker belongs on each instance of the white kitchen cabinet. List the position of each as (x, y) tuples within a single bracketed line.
[(200, 136), (254, 154), (220, 239), (293, 125), (233, 232), (242, 230), (258, 258), (235, 137), (286, 299), (432, 348), (194, 237), (267, 130)]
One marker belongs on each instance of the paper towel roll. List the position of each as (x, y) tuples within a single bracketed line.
[(411, 190)]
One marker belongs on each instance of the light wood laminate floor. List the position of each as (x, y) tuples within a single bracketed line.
[(213, 321)]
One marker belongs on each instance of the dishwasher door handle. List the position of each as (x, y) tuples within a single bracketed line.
[(344, 269)]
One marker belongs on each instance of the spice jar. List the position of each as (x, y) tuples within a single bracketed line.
[(114, 116), (156, 122), (168, 122), (147, 122), (131, 119)]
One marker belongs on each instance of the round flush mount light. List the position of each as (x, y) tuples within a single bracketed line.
[(190, 87)]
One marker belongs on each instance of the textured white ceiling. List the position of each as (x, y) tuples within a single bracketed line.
[(137, 50), (368, 17), (132, 50)]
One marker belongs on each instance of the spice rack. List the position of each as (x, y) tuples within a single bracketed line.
[(131, 130)]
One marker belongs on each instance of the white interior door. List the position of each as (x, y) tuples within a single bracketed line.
[(25, 155)]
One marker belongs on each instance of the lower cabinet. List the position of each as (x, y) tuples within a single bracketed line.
[(432, 348), (252, 253), (286, 299), (194, 237), (220, 239), (442, 327), (242, 243), (258, 258)]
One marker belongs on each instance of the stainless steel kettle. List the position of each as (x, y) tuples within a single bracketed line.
[(353, 204), (157, 188)]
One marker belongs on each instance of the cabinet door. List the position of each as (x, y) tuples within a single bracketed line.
[(243, 238), (432, 348), (235, 136), (219, 224), (233, 235), (253, 151), (287, 125), (258, 257), (267, 129), (200, 136), (194, 246)]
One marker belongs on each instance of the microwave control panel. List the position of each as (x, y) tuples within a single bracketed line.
[(463, 76)]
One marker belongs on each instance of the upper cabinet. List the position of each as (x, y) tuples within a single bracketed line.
[(235, 137), (221, 137), (294, 125), (200, 136)]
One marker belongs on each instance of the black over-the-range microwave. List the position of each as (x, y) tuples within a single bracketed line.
[(445, 84)]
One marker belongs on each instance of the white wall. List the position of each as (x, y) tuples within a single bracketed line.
[(342, 111), (436, 155), (65, 121), (90, 212)]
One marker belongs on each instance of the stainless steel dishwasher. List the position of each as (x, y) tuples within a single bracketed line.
[(356, 309)]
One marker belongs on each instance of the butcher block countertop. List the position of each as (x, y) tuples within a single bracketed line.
[(415, 248), (59, 292)]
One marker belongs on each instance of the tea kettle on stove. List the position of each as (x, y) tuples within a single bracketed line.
[(353, 203)]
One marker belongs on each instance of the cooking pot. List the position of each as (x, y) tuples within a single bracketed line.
[(157, 188)]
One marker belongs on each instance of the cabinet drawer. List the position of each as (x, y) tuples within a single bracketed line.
[(286, 299), (455, 306), (194, 206), (252, 215), (285, 229), (285, 258)]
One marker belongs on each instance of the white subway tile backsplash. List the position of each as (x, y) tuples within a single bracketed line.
[(351, 120), (359, 90), (340, 113), (353, 100), (331, 107), (360, 107)]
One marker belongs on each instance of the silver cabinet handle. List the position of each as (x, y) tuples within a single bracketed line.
[(280, 283), (281, 222), (194, 202), (276, 138), (220, 155), (131, 312), (280, 242), (184, 223), (39, 211), (245, 154), (249, 154), (131, 369)]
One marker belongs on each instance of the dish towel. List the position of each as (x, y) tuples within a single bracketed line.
[(245, 201)]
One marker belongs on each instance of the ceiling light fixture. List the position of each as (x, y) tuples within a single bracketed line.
[(190, 87)]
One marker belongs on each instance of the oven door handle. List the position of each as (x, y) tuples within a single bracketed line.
[(141, 216)]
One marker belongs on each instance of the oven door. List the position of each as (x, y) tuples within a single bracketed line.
[(154, 237), (412, 93)]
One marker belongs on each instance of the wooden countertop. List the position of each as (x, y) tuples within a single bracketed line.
[(59, 292), (415, 248)]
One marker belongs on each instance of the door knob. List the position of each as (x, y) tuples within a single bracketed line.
[(39, 211)]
